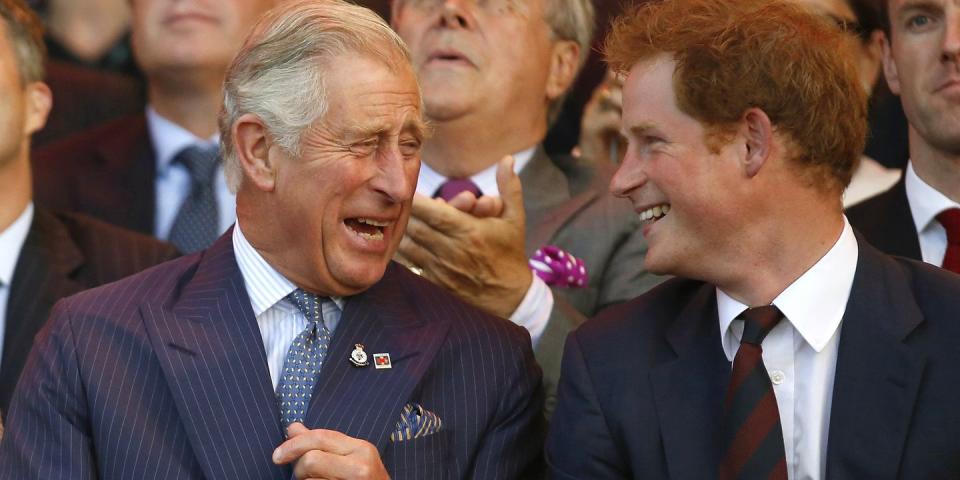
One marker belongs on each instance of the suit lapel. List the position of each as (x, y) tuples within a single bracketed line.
[(688, 391), (121, 189), (889, 222), (211, 352), (43, 274), (877, 375), (547, 200), (365, 402)]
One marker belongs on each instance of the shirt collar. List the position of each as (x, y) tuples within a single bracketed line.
[(925, 201), (169, 139), (265, 285), (814, 303), (486, 180), (11, 242)]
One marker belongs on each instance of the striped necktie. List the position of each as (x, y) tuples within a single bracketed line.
[(753, 438)]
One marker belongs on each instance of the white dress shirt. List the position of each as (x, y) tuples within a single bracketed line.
[(173, 179), (279, 320), (11, 243), (800, 353), (925, 204), (533, 313)]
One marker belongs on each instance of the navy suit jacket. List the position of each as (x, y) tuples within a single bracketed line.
[(62, 255), (642, 386), (887, 223), (107, 172), (164, 375)]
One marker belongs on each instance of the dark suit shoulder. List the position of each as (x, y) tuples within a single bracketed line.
[(425, 295), (84, 144), (639, 325), (112, 252), (937, 290), (886, 222)]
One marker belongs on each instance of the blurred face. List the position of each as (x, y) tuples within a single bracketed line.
[(24, 106), (169, 36), (922, 65), (342, 207), (684, 193), (840, 13), (472, 56)]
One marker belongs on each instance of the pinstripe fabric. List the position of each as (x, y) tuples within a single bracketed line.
[(64, 254), (163, 375)]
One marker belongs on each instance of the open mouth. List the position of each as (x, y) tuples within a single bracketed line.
[(448, 57), (367, 228), (655, 213)]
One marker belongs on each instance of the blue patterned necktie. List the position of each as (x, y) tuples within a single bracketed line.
[(301, 368), (197, 222)]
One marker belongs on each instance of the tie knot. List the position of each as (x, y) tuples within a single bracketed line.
[(950, 219), (454, 186), (757, 323), (201, 161), (309, 304)]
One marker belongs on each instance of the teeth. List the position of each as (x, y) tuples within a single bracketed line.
[(372, 222), (654, 212), (367, 236)]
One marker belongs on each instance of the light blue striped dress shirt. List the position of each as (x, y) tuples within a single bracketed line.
[(279, 319)]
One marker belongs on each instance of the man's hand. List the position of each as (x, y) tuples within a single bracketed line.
[(474, 248), (328, 454)]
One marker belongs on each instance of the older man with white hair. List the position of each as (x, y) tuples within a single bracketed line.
[(293, 345)]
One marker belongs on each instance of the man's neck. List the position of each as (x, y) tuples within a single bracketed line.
[(466, 146), (936, 168), (191, 105), (775, 252), (17, 189)]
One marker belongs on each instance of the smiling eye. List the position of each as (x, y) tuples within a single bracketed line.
[(410, 147), (366, 147)]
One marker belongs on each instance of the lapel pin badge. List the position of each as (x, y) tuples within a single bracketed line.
[(381, 361), (358, 357)]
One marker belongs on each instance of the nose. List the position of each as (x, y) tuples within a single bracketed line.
[(951, 36), (630, 176), (393, 178), (454, 15)]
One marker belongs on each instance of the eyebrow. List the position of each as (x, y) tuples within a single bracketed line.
[(640, 129), (923, 5)]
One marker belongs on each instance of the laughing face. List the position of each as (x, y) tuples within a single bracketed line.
[(683, 192), (340, 209)]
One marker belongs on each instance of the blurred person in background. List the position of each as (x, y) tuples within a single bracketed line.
[(44, 255), (159, 172)]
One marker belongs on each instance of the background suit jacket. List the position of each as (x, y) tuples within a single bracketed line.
[(568, 204), (62, 255), (107, 172), (887, 223), (166, 372), (643, 384)]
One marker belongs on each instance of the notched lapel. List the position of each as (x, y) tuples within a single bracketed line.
[(364, 402), (689, 391), (210, 349), (877, 376)]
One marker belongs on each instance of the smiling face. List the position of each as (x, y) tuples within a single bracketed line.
[(338, 212), (488, 56), (922, 65), (683, 192), (174, 35)]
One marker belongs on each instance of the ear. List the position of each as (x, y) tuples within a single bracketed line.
[(252, 144), (757, 135), (890, 67), (395, 6), (38, 104), (871, 59), (564, 62)]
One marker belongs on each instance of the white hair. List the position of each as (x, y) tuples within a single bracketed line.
[(278, 75)]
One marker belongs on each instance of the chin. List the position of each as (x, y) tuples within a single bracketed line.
[(359, 276)]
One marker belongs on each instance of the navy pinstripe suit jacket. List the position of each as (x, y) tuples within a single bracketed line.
[(163, 375)]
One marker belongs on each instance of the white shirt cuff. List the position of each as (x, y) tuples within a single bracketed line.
[(533, 313)]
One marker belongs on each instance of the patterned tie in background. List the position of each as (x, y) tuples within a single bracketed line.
[(453, 186), (950, 219), (301, 368), (558, 268), (752, 432), (197, 223)]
